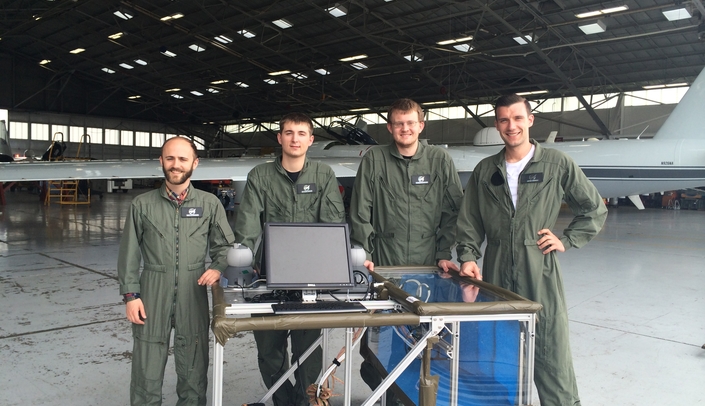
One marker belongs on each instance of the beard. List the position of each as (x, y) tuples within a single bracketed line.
[(177, 177)]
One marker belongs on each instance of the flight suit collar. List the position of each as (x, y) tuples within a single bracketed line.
[(280, 167), (538, 155), (420, 151), (165, 193)]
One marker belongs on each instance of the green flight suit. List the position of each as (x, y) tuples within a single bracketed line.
[(403, 212), (172, 241), (513, 259), (271, 196)]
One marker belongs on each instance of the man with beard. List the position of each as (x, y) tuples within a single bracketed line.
[(170, 231)]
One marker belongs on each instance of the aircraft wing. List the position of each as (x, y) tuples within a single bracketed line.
[(235, 169)]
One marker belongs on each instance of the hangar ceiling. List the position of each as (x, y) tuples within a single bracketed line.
[(223, 53)]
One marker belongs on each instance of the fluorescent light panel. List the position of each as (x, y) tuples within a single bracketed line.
[(219, 82), (141, 62), (223, 39), (358, 65), (279, 72), (677, 14), (175, 16), (168, 53), (177, 96), (76, 51), (593, 28), (337, 10), (116, 35), (126, 66), (414, 58), (134, 97), (602, 12), (196, 93), (322, 71), (270, 81), (108, 70), (246, 34), (196, 48), (175, 89), (532, 92), (455, 40), (360, 109), (523, 40), (124, 14), (282, 23), (242, 85), (299, 75), (44, 61), (211, 90), (353, 58), (463, 47)]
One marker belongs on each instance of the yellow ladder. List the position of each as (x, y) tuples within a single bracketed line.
[(65, 192)]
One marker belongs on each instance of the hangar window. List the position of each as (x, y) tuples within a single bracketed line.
[(126, 138), (64, 130), (157, 139), (40, 131), (141, 139), (112, 136), (96, 135), (75, 134), (200, 144), (19, 130)]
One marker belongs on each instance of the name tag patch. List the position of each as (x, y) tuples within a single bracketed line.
[(531, 178), (305, 188), (421, 179), (194, 212)]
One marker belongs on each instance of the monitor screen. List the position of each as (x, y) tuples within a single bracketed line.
[(307, 256)]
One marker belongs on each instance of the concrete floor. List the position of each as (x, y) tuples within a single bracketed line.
[(635, 293)]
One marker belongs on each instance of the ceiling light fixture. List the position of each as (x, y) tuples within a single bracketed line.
[(211, 90), (524, 39), (196, 93), (322, 71), (242, 84), (464, 47), (44, 61), (108, 70), (76, 51), (197, 47), (358, 65), (126, 66), (279, 72), (416, 57), (141, 62), (593, 28), (434, 103), (246, 34), (219, 82), (177, 96), (455, 40), (175, 89), (174, 16), (532, 92), (677, 14), (353, 58), (124, 14), (282, 23), (337, 10), (117, 35), (299, 76), (360, 109), (223, 39), (602, 12), (270, 81), (134, 97), (166, 52)]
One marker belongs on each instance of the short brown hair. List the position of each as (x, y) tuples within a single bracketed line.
[(189, 140), (509, 99), (297, 118), (405, 106)]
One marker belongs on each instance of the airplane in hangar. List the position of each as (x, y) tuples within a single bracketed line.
[(673, 159)]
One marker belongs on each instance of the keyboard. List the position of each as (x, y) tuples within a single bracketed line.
[(318, 307)]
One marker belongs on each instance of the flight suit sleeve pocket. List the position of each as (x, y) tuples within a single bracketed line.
[(154, 268)]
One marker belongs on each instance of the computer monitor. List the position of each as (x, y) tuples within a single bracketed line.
[(307, 256)]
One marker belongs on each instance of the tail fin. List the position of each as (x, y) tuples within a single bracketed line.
[(686, 119)]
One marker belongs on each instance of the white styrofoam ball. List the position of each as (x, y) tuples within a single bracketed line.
[(239, 256), (357, 256)]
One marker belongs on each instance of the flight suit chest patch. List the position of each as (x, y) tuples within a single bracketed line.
[(305, 188), (420, 180), (531, 178), (192, 212)]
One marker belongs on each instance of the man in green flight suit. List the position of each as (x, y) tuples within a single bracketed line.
[(513, 198), (291, 189), (404, 203), (170, 230)]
